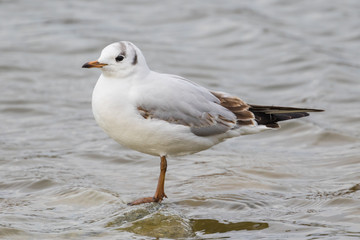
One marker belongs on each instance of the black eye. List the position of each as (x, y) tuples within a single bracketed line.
[(119, 58)]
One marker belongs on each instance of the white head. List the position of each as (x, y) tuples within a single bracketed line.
[(120, 59)]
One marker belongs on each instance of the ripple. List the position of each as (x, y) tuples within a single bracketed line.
[(13, 233), (61, 177), (210, 226), (82, 198), (41, 185), (162, 222), (150, 220)]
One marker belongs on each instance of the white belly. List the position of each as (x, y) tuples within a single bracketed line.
[(119, 118)]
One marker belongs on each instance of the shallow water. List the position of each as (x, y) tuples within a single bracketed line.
[(61, 177)]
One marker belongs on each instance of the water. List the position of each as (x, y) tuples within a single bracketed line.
[(61, 177)]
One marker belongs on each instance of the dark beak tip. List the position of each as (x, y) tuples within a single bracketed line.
[(94, 64), (86, 65)]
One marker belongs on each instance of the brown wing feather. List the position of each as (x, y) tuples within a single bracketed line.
[(263, 115), (246, 115), (238, 107)]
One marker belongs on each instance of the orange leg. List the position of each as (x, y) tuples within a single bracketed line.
[(159, 193)]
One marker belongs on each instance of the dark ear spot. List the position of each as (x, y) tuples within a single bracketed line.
[(135, 60), (123, 49)]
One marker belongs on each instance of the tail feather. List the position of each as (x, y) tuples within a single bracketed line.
[(270, 115)]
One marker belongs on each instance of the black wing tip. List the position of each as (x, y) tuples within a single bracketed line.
[(271, 115), (311, 110), (269, 109), (318, 110)]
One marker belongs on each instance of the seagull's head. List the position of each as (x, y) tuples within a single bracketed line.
[(120, 59)]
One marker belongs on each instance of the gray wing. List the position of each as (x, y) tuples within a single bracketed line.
[(179, 101)]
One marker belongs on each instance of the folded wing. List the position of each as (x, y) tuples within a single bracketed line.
[(191, 105), (209, 113)]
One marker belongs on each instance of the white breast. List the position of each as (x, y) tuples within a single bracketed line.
[(116, 113)]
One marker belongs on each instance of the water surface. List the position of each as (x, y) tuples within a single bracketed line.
[(61, 177)]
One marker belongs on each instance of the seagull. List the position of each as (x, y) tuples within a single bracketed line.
[(168, 115)]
